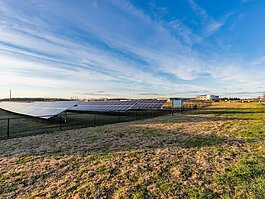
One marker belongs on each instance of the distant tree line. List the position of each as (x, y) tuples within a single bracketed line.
[(34, 99), (229, 99)]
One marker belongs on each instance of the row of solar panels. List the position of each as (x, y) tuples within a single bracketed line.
[(118, 106), (47, 110)]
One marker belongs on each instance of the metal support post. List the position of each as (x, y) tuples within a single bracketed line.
[(60, 122), (8, 126), (94, 120)]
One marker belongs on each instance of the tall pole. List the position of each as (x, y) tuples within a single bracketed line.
[(10, 95)]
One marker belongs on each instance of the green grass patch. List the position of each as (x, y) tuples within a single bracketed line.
[(200, 193), (100, 157), (202, 142), (148, 132), (24, 159), (142, 193), (244, 180)]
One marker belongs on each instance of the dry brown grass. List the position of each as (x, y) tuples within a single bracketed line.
[(165, 157)]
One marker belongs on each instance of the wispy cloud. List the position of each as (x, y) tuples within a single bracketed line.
[(210, 24), (96, 94), (258, 61)]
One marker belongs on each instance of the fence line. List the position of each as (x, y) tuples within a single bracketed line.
[(12, 127)]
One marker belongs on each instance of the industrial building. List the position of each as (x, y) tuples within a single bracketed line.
[(208, 97)]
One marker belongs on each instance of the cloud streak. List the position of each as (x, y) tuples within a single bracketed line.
[(210, 25), (258, 61)]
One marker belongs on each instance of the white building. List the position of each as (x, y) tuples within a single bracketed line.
[(208, 97)]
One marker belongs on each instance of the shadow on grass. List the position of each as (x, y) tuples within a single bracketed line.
[(225, 111), (103, 140), (198, 118)]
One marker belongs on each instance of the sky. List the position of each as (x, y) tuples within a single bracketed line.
[(132, 48)]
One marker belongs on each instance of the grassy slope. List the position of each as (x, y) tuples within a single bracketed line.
[(217, 152)]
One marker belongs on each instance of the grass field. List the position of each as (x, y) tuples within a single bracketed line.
[(217, 152)]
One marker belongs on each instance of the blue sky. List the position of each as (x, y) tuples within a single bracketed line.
[(140, 49)]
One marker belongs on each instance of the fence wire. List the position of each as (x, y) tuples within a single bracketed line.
[(14, 126)]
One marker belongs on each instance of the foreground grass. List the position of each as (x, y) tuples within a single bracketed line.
[(211, 153)]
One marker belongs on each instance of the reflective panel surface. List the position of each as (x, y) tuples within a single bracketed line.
[(46, 110)]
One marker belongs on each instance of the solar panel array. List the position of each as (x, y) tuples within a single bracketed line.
[(148, 104), (118, 106), (47, 110), (102, 106), (44, 110)]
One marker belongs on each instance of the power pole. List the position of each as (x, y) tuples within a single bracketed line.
[(10, 95)]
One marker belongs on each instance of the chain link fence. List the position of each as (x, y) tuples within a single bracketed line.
[(13, 126)]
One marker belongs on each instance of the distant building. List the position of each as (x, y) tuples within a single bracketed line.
[(208, 97)]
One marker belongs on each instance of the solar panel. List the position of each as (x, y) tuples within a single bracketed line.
[(118, 106), (128, 102), (47, 110), (148, 104), (101, 107), (44, 110)]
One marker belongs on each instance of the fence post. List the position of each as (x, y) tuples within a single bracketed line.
[(94, 120), (8, 125), (60, 123), (119, 120)]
